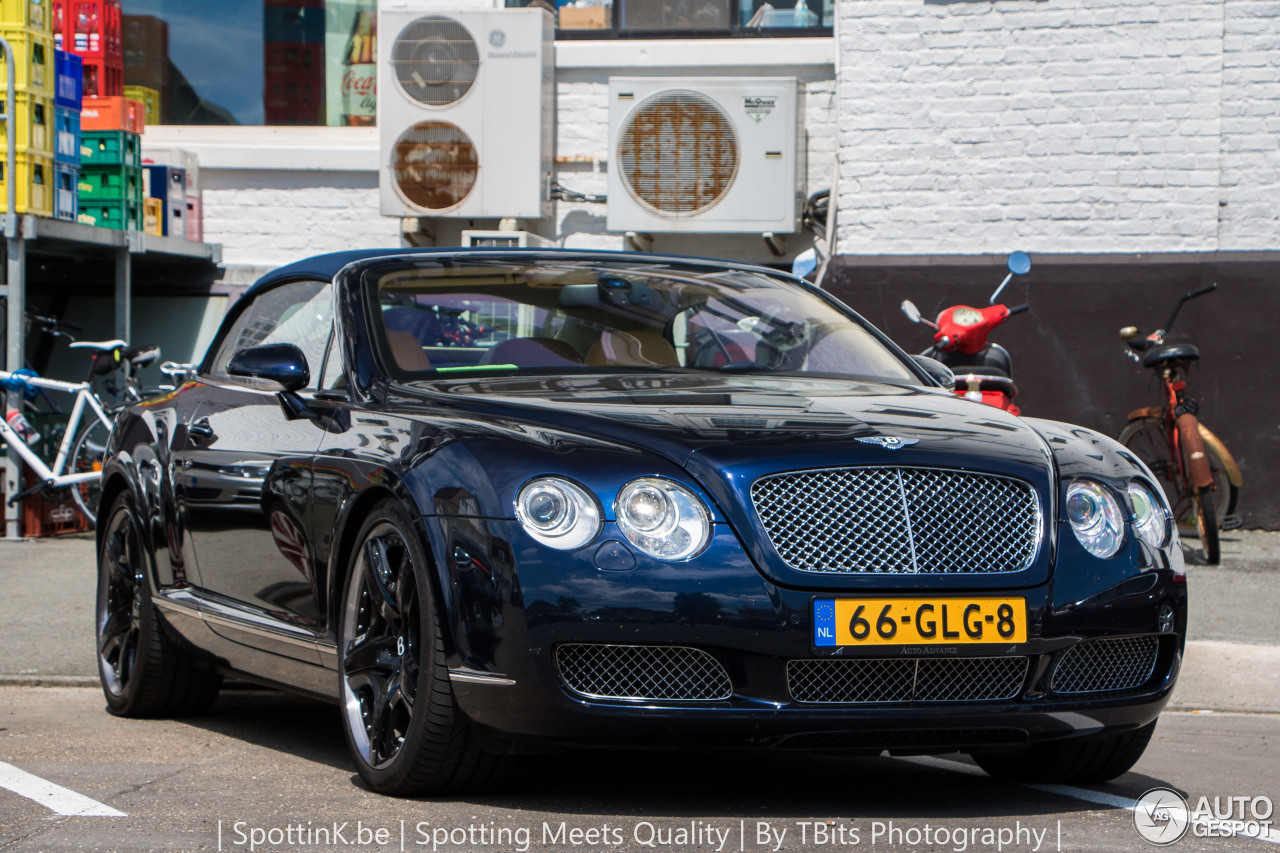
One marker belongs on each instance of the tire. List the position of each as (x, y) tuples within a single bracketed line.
[(1145, 437), (1072, 761), (403, 727), (1207, 527), (88, 454), (145, 671)]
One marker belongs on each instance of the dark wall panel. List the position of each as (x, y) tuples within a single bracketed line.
[(1068, 358)]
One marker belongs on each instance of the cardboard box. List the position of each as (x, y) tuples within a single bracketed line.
[(586, 18)]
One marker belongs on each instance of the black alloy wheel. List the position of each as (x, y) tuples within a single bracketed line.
[(403, 727), (145, 671)]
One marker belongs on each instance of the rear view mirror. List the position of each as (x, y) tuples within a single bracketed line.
[(937, 371), (909, 308)]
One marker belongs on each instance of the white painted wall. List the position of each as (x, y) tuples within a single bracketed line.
[(1088, 126), (273, 195)]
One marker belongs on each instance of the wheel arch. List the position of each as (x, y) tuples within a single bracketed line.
[(361, 508)]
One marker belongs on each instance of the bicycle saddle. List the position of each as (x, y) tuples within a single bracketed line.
[(104, 346), (1170, 354)]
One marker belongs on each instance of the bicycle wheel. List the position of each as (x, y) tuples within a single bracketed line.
[(1207, 526), (88, 454), (1145, 438)]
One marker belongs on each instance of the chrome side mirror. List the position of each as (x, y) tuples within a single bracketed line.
[(937, 371)]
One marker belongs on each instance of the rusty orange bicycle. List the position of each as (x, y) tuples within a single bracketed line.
[(1199, 475)]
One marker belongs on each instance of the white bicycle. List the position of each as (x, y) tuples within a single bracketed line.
[(78, 464)]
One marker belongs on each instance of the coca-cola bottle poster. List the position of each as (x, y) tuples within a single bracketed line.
[(351, 62)]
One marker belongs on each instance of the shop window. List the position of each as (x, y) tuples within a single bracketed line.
[(595, 19)]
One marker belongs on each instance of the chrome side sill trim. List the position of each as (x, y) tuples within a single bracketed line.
[(475, 676)]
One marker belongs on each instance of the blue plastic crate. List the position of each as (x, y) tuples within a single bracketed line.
[(67, 136), (66, 195), (69, 80)]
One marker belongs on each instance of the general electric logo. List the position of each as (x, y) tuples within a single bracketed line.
[(497, 38), (1161, 816)]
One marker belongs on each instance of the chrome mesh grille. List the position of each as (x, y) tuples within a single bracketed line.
[(679, 673), (878, 680), (1099, 666), (899, 520)]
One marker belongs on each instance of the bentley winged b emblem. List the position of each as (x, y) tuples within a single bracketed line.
[(889, 442)]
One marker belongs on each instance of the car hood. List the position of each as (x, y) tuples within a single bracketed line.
[(725, 418)]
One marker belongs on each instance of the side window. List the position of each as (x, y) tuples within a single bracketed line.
[(299, 313)]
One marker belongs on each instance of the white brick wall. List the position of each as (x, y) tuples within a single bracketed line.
[(268, 218), (1250, 214), (1089, 126)]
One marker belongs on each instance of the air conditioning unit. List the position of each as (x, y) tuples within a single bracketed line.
[(505, 240), (712, 155), (464, 111)]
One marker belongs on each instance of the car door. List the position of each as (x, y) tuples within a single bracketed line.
[(247, 482)]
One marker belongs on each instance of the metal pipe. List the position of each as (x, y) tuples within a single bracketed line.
[(15, 284)]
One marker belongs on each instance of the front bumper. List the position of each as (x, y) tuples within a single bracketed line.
[(507, 625)]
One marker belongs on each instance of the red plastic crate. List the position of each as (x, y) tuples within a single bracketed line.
[(92, 28), (103, 78), (113, 113), (58, 22), (41, 517)]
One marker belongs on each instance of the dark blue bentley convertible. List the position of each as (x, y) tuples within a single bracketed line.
[(490, 501)]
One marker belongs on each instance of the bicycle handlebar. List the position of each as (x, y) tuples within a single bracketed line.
[(1019, 310), (1188, 296)]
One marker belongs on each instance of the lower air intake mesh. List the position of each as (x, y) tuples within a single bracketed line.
[(677, 673)]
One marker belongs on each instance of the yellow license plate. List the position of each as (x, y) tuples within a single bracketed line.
[(918, 621)]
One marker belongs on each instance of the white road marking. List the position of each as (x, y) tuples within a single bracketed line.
[(56, 798), (1097, 797)]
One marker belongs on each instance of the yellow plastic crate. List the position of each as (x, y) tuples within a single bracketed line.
[(26, 13), (35, 123), (33, 56), (153, 216), (149, 98), (35, 185)]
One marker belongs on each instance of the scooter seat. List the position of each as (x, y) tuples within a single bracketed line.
[(1171, 354)]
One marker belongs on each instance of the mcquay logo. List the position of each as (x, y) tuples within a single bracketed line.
[(758, 107), (1163, 816)]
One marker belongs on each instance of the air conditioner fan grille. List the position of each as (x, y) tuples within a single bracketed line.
[(435, 61), (434, 165)]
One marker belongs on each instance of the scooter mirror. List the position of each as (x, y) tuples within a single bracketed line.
[(909, 308), (1019, 263), (1129, 332)]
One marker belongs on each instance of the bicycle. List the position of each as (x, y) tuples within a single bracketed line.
[(77, 466), (1199, 475)]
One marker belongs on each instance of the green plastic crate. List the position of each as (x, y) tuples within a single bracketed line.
[(120, 215), (110, 183), (110, 148)]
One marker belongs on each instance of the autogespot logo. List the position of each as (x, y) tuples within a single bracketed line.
[(1161, 816)]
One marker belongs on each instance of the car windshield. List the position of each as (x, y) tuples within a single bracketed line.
[(576, 316)]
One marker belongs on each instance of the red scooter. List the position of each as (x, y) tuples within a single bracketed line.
[(984, 371)]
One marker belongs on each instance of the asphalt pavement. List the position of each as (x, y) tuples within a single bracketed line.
[(1232, 663)]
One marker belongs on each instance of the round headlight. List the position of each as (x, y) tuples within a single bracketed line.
[(662, 518), (1095, 517), (557, 513), (1150, 518)]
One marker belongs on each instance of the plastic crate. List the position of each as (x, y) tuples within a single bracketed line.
[(35, 184), (102, 78), (153, 216), (34, 117), (58, 22), (92, 28), (150, 100), (110, 183), (66, 192), (68, 89), (25, 13), (66, 136), (110, 148), (169, 184), (120, 215), (32, 59), (44, 517), (195, 218), (112, 113)]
